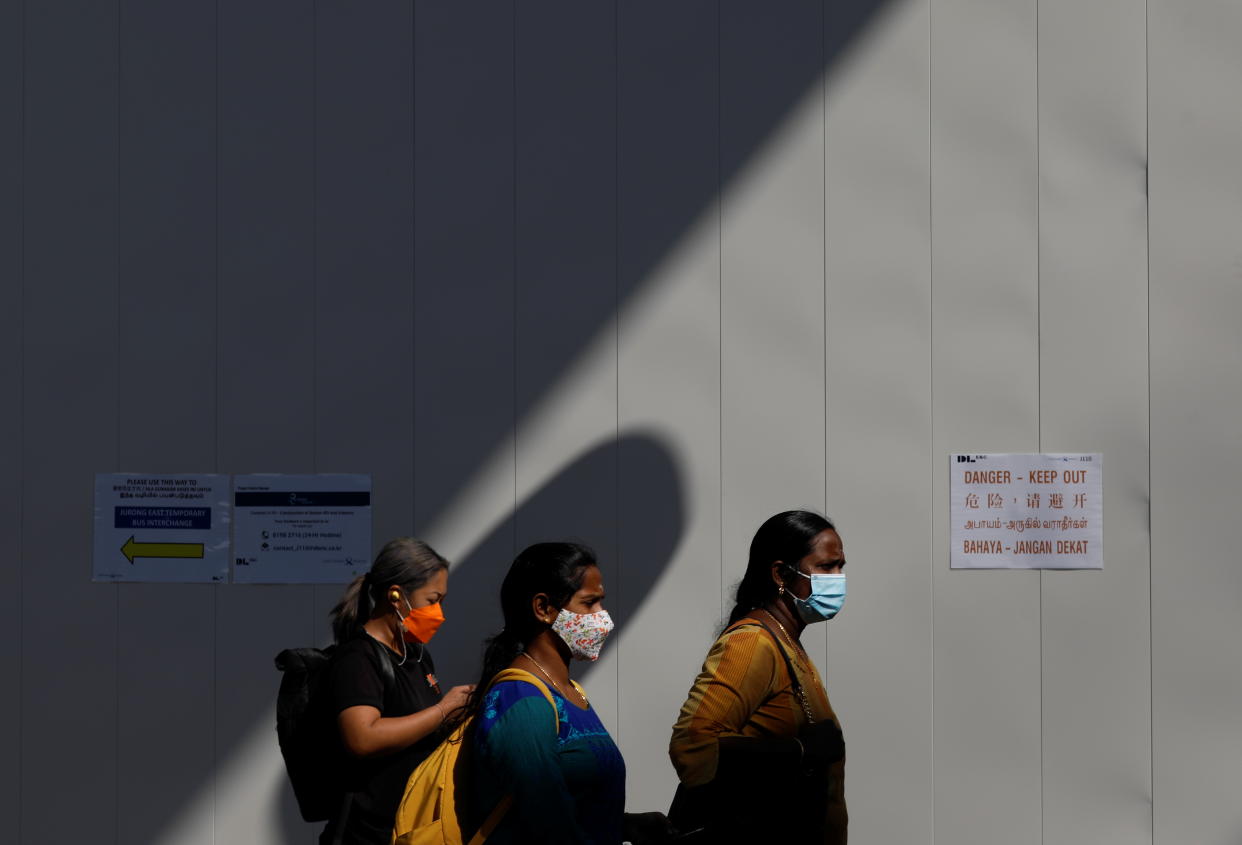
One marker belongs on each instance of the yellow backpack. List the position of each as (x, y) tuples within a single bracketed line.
[(428, 813)]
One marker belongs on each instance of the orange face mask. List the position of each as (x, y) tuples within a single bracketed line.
[(421, 622)]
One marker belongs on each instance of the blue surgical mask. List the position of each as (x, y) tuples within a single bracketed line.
[(824, 602)]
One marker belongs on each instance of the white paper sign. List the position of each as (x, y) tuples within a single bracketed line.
[(1026, 511), (301, 529), (161, 527)]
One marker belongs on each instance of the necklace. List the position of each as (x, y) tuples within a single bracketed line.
[(788, 638), (539, 666), (799, 692)]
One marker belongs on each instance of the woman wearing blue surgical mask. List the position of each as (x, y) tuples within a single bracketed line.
[(544, 769), (757, 746)]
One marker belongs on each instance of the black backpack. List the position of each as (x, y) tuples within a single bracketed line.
[(307, 732)]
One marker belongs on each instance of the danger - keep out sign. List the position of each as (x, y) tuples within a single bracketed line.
[(1017, 511)]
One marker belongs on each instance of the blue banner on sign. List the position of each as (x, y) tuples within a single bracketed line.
[(304, 499), (154, 517)]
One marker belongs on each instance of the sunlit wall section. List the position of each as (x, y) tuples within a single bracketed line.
[(1096, 707), (1196, 394), (878, 344), (985, 398), (772, 274)]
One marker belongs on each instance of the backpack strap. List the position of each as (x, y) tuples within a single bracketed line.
[(532, 679), (498, 813), (385, 662)]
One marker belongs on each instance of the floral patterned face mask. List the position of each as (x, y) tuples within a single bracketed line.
[(584, 633)]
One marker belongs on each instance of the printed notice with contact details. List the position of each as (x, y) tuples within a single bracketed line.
[(301, 529)]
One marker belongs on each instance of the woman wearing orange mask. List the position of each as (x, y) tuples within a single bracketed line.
[(383, 685)]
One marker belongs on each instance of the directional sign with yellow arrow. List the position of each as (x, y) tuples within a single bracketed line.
[(162, 527), (133, 549)]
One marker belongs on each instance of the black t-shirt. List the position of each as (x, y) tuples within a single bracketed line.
[(377, 783)]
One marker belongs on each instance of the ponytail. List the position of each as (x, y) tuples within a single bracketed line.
[(403, 562), (502, 650), (499, 651), (348, 610)]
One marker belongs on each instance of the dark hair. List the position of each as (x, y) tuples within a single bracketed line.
[(556, 569), (406, 562), (786, 537)]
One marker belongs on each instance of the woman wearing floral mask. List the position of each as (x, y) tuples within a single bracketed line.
[(757, 729), (547, 757), (383, 685)]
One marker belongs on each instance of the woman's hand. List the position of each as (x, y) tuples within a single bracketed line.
[(365, 731), (649, 829), (455, 699)]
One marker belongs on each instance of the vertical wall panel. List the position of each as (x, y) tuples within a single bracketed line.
[(669, 374), (986, 625), (167, 236), (364, 265), (364, 252), (1093, 391), (878, 330), (166, 411), (567, 287), (266, 237), (11, 476), (772, 274), (463, 313), (266, 377), (69, 388), (1196, 385)]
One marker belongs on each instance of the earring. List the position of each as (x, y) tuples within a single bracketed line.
[(780, 589)]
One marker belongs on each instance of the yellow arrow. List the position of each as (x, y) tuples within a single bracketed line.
[(132, 550)]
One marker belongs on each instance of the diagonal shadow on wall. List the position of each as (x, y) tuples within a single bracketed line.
[(759, 78)]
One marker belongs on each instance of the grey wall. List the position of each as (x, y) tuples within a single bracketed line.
[(640, 273)]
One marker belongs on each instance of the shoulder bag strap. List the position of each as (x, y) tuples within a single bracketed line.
[(799, 692)]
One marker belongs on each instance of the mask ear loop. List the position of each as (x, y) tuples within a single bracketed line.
[(784, 593), (401, 636)]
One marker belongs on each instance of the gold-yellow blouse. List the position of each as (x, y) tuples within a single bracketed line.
[(744, 689)]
